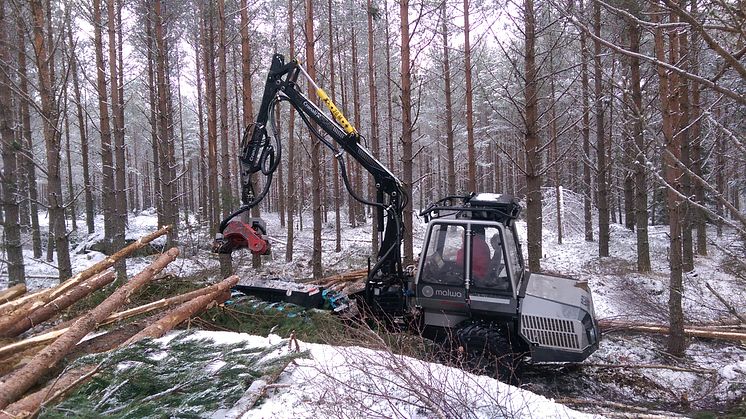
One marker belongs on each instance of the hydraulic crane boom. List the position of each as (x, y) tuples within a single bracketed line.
[(259, 154)]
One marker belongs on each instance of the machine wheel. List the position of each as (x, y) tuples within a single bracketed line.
[(487, 346)]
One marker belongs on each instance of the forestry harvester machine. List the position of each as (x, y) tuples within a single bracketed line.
[(471, 281)]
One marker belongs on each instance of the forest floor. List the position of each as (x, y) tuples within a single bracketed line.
[(710, 380)]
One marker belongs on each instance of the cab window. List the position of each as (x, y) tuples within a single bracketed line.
[(489, 271), (441, 257)]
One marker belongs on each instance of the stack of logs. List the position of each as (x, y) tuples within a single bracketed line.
[(24, 362), (347, 282)]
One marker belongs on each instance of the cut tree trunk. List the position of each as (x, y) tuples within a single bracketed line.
[(113, 318), (12, 293), (44, 296), (184, 312), (30, 405), (22, 322), (689, 331), (16, 384)]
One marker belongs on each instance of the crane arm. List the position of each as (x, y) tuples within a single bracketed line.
[(261, 154)]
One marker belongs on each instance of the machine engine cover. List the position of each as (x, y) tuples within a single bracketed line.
[(557, 319)]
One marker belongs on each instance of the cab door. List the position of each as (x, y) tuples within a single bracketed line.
[(441, 284)]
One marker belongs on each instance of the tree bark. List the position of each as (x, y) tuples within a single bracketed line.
[(42, 297), (669, 99), (51, 138), (17, 383), (533, 157), (406, 126), (335, 164), (11, 293), (182, 313), (10, 148), (700, 217), (108, 191), (165, 126), (599, 102), (471, 184), (641, 187), (226, 193), (586, 131), (450, 160), (82, 128), (117, 113), (291, 204), (30, 405), (374, 141), (315, 152), (36, 317), (27, 161)]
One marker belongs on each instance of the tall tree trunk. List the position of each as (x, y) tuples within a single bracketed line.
[(27, 161), (533, 158), (225, 185), (10, 148), (641, 187), (82, 128), (108, 191), (157, 192), (471, 154), (51, 138), (601, 179), (165, 119), (700, 217), (374, 141), (450, 160), (337, 215), (357, 179), (291, 204), (248, 107), (555, 149), (315, 154), (669, 99), (406, 127), (70, 181), (682, 131), (117, 113), (202, 166), (389, 105), (586, 130)]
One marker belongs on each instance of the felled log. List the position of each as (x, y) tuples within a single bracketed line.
[(178, 315), (690, 331), (30, 342), (112, 318), (44, 296), (16, 384), (12, 293), (25, 321), (30, 405)]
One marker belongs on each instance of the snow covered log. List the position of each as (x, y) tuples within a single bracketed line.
[(14, 385), (11, 326), (690, 331), (12, 293), (185, 311), (30, 405), (44, 296)]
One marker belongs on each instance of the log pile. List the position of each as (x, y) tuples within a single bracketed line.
[(347, 282), (31, 350)]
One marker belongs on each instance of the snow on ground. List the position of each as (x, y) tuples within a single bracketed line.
[(354, 382), (619, 293)]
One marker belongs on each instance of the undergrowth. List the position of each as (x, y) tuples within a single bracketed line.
[(185, 377), (256, 317)]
